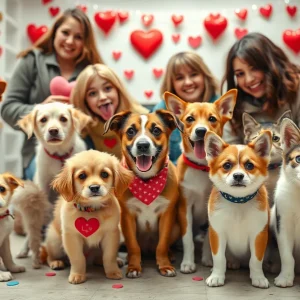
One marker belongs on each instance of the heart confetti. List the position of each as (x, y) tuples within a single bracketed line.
[(105, 20), (54, 11), (128, 74), (176, 37), (292, 10), (266, 11), (241, 13), (123, 16), (147, 20), (240, 32), (116, 55), (148, 94), (157, 72), (195, 42), (177, 20)]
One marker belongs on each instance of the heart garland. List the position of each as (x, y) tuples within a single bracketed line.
[(177, 20), (292, 10), (266, 11), (195, 42), (215, 25), (292, 39), (53, 11), (241, 13), (240, 32), (34, 32), (105, 20)]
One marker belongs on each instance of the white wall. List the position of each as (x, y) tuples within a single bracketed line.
[(194, 14)]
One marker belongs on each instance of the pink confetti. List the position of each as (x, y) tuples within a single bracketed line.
[(50, 274), (117, 286), (197, 278)]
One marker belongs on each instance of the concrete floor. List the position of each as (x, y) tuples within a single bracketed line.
[(33, 284)]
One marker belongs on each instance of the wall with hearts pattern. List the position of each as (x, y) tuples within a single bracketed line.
[(176, 26)]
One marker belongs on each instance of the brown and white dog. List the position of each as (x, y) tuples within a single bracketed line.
[(149, 207), (195, 185), (238, 206)]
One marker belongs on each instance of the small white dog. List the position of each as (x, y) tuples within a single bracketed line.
[(285, 214), (56, 126), (8, 183)]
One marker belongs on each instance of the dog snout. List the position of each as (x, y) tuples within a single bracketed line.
[(95, 188), (53, 131), (238, 176), (200, 132), (143, 146)]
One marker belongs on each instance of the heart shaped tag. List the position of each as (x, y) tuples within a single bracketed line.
[(87, 227), (59, 86), (110, 143)]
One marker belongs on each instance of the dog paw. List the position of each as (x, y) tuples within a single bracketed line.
[(233, 264), (117, 274), (77, 278), (134, 272), (36, 264), (22, 254), (120, 262), (215, 280), (284, 281), (168, 271), (187, 267), (5, 276), (260, 282), (57, 265), (16, 269), (207, 261)]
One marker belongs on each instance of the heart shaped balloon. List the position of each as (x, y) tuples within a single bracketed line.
[(215, 25), (34, 32), (292, 39), (105, 20), (59, 86)]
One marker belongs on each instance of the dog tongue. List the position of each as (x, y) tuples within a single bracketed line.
[(106, 111), (144, 162), (199, 149)]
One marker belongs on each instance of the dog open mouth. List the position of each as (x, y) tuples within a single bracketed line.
[(106, 111), (54, 140), (144, 162), (198, 147)]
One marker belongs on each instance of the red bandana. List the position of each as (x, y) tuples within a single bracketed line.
[(194, 165), (62, 158), (7, 213)]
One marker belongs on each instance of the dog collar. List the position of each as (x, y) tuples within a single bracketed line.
[(86, 208), (194, 165), (274, 166), (6, 214), (238, 199), (61, 158)]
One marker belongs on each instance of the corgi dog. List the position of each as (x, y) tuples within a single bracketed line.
[(251, 130), (238, 207), (285, 214), (149, 206), (198, 118)]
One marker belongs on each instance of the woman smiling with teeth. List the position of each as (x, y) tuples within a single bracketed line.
[(267, 81)]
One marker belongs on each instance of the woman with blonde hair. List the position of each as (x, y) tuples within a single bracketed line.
[(100, 93), (189, 78)]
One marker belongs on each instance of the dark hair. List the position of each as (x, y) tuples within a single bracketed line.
[(281, 75)]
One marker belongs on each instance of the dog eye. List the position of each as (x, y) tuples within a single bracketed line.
[(227, 166), (43, 120), (249, 166), (104, 174), (130, 132), (190, 119), (2, 189), (276, 138), (63, 119), (82, 176), (297, 159), (212, 119), (156, 131)]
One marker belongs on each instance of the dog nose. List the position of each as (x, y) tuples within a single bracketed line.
[(238, 176), (94, 188), (200, 132), (143, 146), (53, 131)]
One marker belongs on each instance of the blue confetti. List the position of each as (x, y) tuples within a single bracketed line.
[(12, 283)]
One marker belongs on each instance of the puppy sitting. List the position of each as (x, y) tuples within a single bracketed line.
[(56, 126), (149, 206), (87, 214), (238, 207), (8, 183)]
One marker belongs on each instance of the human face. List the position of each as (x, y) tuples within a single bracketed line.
[(188, 84), (249, 79), (68, 41), (102, 98)]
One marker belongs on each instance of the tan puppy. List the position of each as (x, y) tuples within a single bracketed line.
[(149, 206), (8, 183), (87, 214)]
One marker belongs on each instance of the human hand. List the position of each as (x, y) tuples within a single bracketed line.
[(56, 98)]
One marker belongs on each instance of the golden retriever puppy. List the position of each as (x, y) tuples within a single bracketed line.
[(87, 214)]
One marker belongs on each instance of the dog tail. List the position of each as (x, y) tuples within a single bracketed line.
[(43, 254)]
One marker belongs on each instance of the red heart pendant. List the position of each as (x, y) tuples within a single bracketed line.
[(128, 74), (215, 25), (87, 227), (35, 32), (292, 39), (176, 37), (105, 20), (147, 19), (241, 13), (116, 55), (53, 11), (195, 42), (266, 11), (157, 72), (177, 20), (110, 143), (146, 43), (240, 32), (292, 10), (123, 16)]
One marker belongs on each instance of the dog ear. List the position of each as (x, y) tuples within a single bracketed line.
[(13, 181), (262, 144), (170, 119), (63, 184), (80, 119), (27, 123), (116, 122), (226, 104), (175, 104), (122, 178), (286, 114), (290, 134), (213, 144), (250, 125)]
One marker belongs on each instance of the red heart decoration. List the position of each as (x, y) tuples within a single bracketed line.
[(157, 72), (241, 13), (35, 32), (266, 11), (87, 227), (116, 55), (82, 7), (147, 19), (54, 11), (292, 10), (292, 39), (146, 43), (60, 86), (1, 51), (110, 142), (123, 16), (215, 25), (46, 1), (240, 32), (105, 20), (177, 19), (128, 74), (195, 42), (148, 94), (176, 38)]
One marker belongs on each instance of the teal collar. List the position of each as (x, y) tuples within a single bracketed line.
[(238, 199)]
